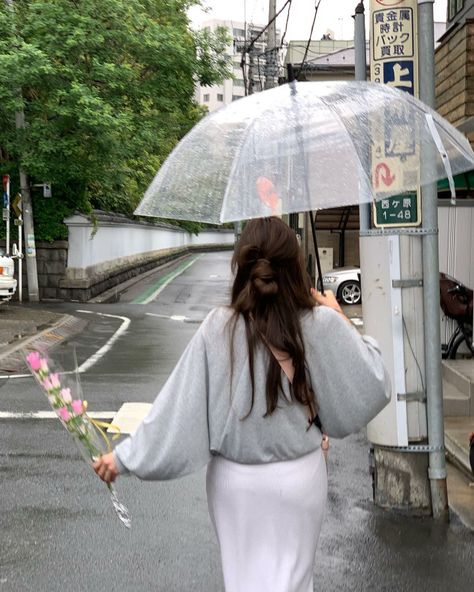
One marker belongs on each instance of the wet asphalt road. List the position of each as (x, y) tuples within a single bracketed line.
[(57, 528)]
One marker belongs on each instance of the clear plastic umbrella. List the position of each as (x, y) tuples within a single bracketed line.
[(304, 147)]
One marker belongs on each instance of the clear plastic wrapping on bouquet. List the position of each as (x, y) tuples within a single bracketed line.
[(65, 397)]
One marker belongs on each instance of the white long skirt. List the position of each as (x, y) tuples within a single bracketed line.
[(268, 518)]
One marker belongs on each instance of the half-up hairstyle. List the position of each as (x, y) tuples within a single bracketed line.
[(270, 290)]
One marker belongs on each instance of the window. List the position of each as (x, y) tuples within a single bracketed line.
[(238, 82), (238, 33), (205, 98), (220, 98), (454, 6), (236, 97)]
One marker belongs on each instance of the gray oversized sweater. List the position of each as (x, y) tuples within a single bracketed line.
[(201, 408)]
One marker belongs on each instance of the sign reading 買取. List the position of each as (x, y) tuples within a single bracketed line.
[(393, 42), (394, 47)]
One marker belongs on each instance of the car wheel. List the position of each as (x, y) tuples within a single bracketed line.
[(350, 293)]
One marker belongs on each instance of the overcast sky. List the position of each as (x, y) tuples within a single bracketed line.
[(332, 14)]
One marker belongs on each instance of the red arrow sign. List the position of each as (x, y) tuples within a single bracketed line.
[(382, 173)]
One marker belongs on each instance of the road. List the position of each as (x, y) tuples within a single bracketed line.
[(58, 530)]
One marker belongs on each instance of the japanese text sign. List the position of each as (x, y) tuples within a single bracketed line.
[(395, 158)]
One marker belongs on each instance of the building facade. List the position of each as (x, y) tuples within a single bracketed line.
[(454, 60), (249, 74)]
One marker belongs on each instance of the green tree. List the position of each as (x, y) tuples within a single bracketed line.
[(107, 89)]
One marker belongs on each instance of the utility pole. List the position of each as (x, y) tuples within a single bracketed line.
[(434, 386), (271, 50), (395, 294), (28, 227), (361, 74)]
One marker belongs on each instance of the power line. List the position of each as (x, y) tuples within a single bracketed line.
[(316, 7), (255, 39), (286, 26)]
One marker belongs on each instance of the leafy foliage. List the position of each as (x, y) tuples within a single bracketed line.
[(107, 90)]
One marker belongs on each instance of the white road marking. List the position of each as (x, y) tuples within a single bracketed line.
[(51, 414), (95, 357), (179, 318), (9, 376), (107, 346)]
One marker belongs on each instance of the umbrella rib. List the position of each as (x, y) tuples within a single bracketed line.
[(231, 174), (334, 110)]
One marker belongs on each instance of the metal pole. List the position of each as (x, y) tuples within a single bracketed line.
[(361, 74), (28, 227), (270, 53), (291, 78), (434, 386), (6, 204), (30, 247), (20, 258), (359, 42), (316, 252)]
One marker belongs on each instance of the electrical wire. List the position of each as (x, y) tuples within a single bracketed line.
[(255, 39), (286, 26), (316, 7), (246, 49), (259, 73), (413, 354)]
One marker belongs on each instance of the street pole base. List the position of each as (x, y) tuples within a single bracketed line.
[(401, 481)]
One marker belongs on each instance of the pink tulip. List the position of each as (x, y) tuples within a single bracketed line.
[(63, 413), (54, 378), (44, 365), (34, 360), (65, 395), (77, 406), (47, 384)]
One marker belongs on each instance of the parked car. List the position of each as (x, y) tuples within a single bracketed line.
[(7, 281), (345, 283)]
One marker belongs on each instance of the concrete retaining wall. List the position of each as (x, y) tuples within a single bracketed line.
[(110, 249)]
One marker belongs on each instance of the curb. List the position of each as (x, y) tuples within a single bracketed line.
[(113, 294), (12, 359)]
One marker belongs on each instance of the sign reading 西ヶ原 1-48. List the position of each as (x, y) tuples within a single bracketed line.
[(395, 158)]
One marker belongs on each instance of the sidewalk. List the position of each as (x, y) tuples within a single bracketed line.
[(30, 325)]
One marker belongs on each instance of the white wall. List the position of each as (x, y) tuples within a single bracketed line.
[(115, 239)]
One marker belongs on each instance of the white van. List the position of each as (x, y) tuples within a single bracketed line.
[(7, 281)]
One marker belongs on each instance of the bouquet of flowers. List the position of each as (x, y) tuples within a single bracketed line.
[(86, 432)]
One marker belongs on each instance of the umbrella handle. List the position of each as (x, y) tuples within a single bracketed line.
[(316, 252)]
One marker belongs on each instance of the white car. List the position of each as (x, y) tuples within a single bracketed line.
[(345, 283), (7, 281)]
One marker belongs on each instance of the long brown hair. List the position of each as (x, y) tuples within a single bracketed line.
[(270, 290)]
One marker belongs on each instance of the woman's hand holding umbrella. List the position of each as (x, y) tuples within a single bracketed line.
[(328, 299)]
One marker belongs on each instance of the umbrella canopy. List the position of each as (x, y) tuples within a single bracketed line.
[(304, 147)]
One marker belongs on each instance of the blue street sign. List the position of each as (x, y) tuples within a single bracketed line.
[(400, 74)]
